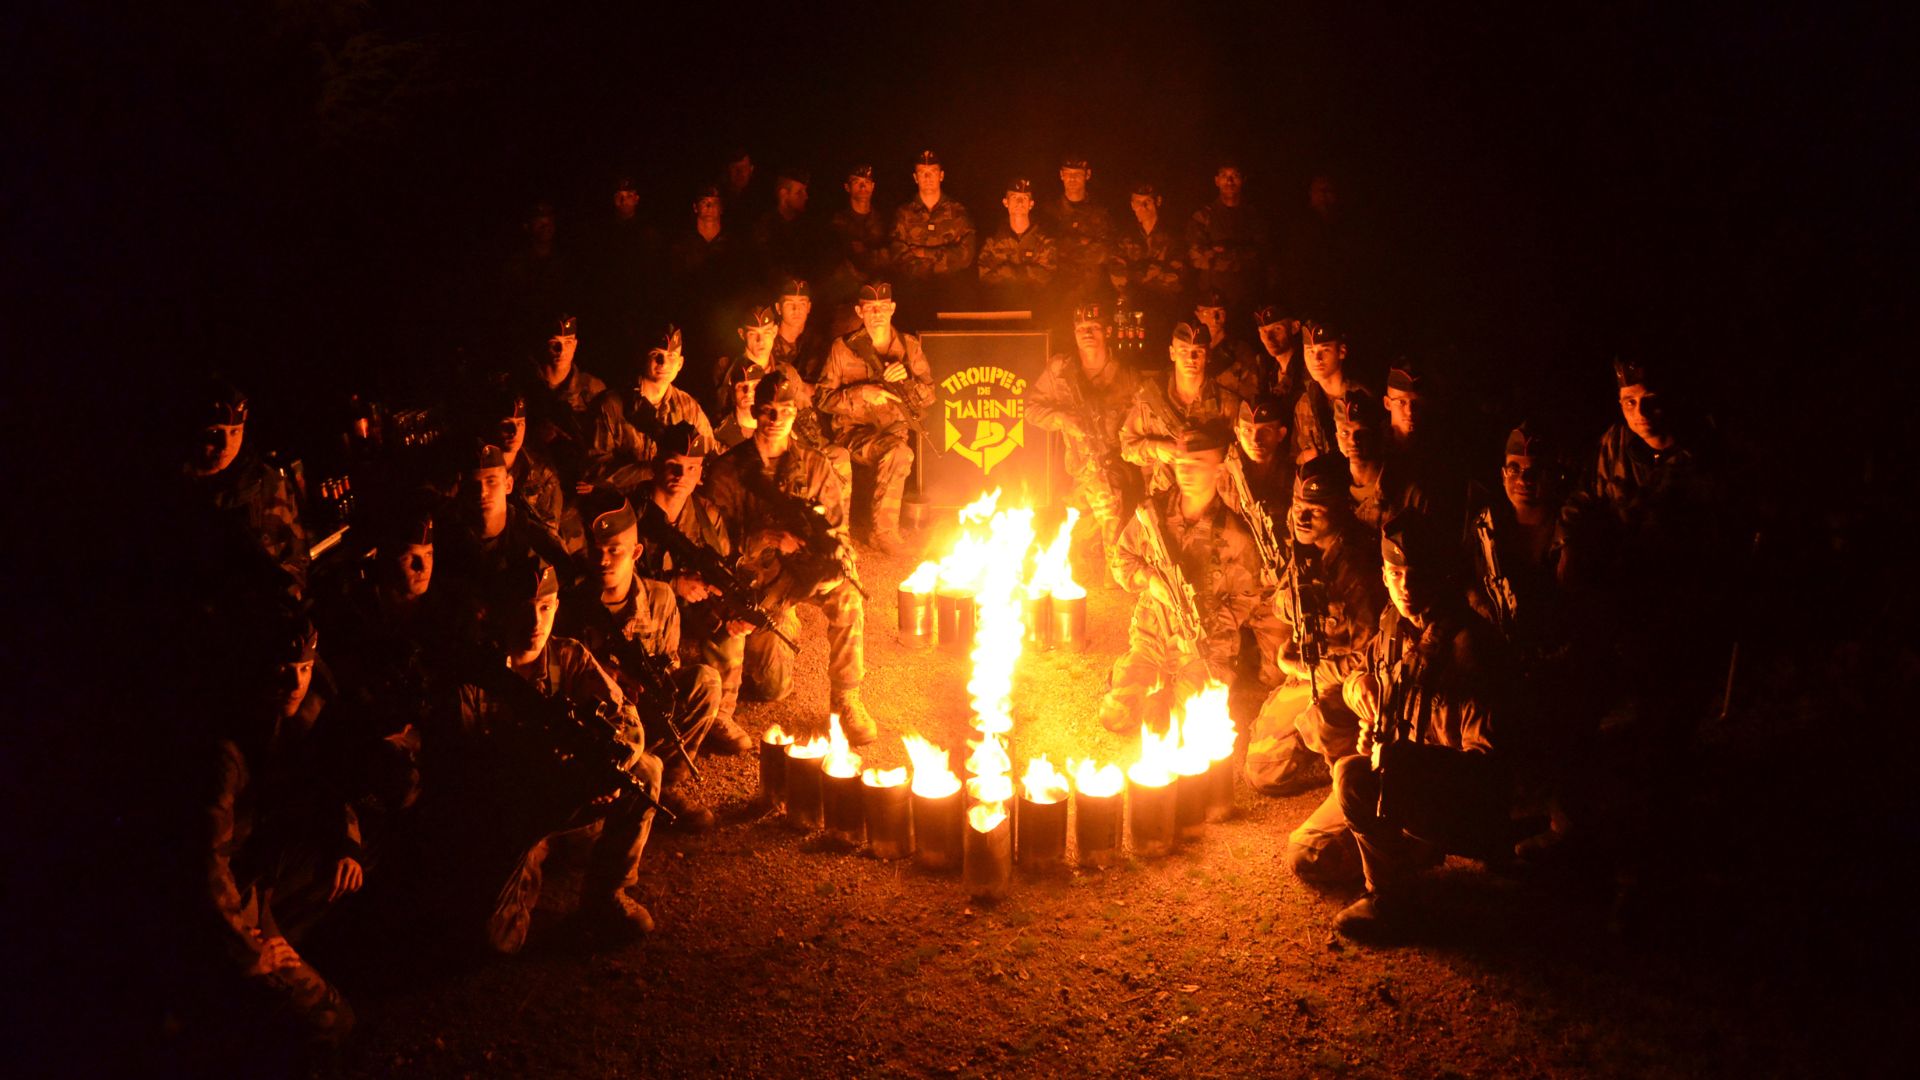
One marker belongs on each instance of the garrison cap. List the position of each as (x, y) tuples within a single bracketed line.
[(1407, 374), (1142, 187), (878, 290), (708, 191), (758, 316), (1264, 409), (1323, 481), (1210, 298), (1322, 333), (1633, 371), (1409, 538), (862, 170), (626, 183), (679, 440), (501, 403), (1019, 185), (402, 529), (739, 373), (1524, 441), (484, 455), (1268, 315), (926, 157), (775, 389), (1091, 311), (562, 325), (607, 513), (1211, 436), (1358, 408), (793, 174), (527, 580), (668, 342), (219, 403), (1190, 334), (1075, 161), (290, 637), (794, 286)]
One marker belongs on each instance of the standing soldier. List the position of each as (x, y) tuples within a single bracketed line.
[(1083, 228), (1227, 241), (632, 626), (860, 235), (560, 397), (1017, 262), (1332, 573), (786, 512), (1086, 402), (1149, 263), (1178, 643), (1188, 399), (489, 532), (874, 384), (1325, 352), (785, 235), (236, 496), (1230, 361), (932, 238), (626, 422)]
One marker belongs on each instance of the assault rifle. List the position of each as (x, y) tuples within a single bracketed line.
[(735, 602), (1184, 607), (1308, 595), (652, 678), (827, 554), (1499, 587), (915, 416), (1259, 521), (581, 739)]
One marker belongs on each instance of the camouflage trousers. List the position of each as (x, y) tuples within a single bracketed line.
[(698, 699), (885, 450), (1291, 730), (768, 663), (1094, 494), (1321, 850), (301, 1000), (1154, 661)]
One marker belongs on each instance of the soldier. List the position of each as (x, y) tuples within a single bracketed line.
[(538, 276), (769, 491), (874, 384), (1432, 697), (737, 423), (860, 235), (796, 343), (1283, 373), (1230, 362), (758, 333), (1227, 240), (488, 532), (239, 499), (932, 235), (536, 484), (1149, 265), (1381, 486), (1416, 444), (560, 395), (1086, 402), (1188, 399), (1083, 228), (1017, 262), (1216, 556), (1338, 583), (1256, 460), (627, 258), (388, 627), (785, 236), (701, 256), (626, 422), (632, 625), (1325, 351), (736, 181)]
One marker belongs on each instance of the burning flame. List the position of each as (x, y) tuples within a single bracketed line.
[(987, 817), (992, 770), (923, 579), (1052, 569), (933, 778), (777, 736), (886, 779), (1001, 622), (1097, 781), (841, 761), (1206, 726), (1043, 783), (815, 747), (1157, 756)]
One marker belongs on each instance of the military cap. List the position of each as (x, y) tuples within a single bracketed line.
[(606, 512), (668, 342), (878, 290), (757, 317), (1091, 311), (290, 637), (863, 171), (1322, 333), (401, 528), (793, 174), (1020, 185), (1192, 334), (738, 153), (1210, 298), (220, 403), (1075, 161), (1409, 538), (1634, 372), (1406, 373), (485, 455), (1268, 315), (1523, 441), (528, 580), (501, 403), (679, 440), (1323, 481), (707, 191), (1358, 408), (775, 389), (626, 183), (1199, 440), (562, 325), (1142, 187), (927, 157), (794, 286), (739, 373), (1263, 409)]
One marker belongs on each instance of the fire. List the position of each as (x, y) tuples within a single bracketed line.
[(884, 778), (1052, 569), (1158, 754), (987, 817), (777, 736), (1001, 624), (840, 761), (933, 778), (992, 770), (1098, 781), (923, 579), (816, 747), (1042, 782), (1206, 726)]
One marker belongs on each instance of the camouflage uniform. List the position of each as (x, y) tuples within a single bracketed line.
[(1237, 366), (873, 426), (1018, 266), (1271, 484), (1085, 233), (252, 500), (537, 485), (648, 621), (1149, 265), (864, 251), (733, 486), (1241, 268), (704, 638), (931, 241), (466, 560), (728, 433), (1218, 557), (559, 419), (1146, 436), (1313, 423), (1064, 398), (624, 426), (803, 354)]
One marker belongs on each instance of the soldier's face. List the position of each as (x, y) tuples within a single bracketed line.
[(743, 395), (776, 421), (792, 196), (1404, 409), (219, 445), (759, 341), (1356, 441), (561, 347), (486, 490), (413, 568), (1276, 337), (535, 624), (795, 309), (1412, 589), (1074, 183), (1321, 195), (540, 228), (1311, 524), (707, 208), (1323, 360), (1260, 442), (513, 433), (663, 365), (1198, 473), (1146, 208), (1520, 478), (1189, 360), (1089, 335), (1214, 319), (1019, 204), (877, 315), (626, 202), (1645, 414), (859, 188), (1228, 181), (678, 476), (928, 179), (739, 171), (289, 685), (614, 556)]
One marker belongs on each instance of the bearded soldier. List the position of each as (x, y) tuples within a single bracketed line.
[(1085, 398)]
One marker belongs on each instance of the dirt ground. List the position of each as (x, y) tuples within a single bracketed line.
[(777, 956)]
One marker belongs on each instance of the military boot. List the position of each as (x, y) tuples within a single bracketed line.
[(613, 919), (726, 738), (1370, 918), (855, 720), (688, 813)]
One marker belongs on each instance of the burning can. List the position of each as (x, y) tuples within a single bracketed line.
[(1096, 828), (844, 812), (1042, 834), (917, 623), (938, 825), (887, 802), (773, 769), (1220, 790), (1151, 821), (1190, 803), (1069, 615), (957, 613), (988, 847), (1037, 611), (805, 787)]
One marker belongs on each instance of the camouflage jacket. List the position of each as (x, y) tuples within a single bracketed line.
[(1028, 259), (1272, 485), (1313, 423), (1445, 682), (699, 521), (566, 668), (467, 561), (1237, 366), (1155, 262), (862, 240), (649, 618), (1064, 396), (804, 354), (1394, 490), (927, 241), (624, 426), (854, 359), (1355, 597), (1084, 231), (728, 433), (723, 372), (1217, 555), (734, 480), (1239, 231), (251, 499), (1146, 437)]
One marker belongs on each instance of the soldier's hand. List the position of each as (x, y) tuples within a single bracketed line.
[(691, 589), (1362, 695), (1291, 665), (1157, 586), (276, 953), (895, 372), (347, 879), (740, 627), (787, 543)]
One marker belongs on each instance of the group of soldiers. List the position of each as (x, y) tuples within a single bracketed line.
[(550, 604)]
